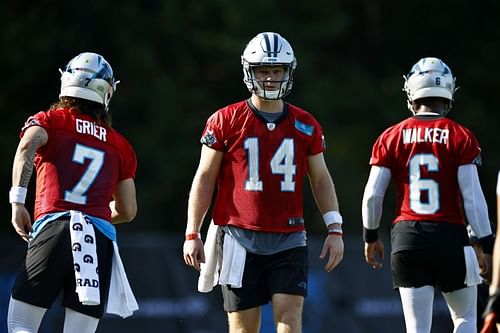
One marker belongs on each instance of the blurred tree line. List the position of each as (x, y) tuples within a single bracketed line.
[(179, 61)]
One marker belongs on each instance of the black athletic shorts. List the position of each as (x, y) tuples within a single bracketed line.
[(442, 269), (48, 270), (264, 275)]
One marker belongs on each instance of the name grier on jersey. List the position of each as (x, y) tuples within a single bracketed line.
[(88, 127), (427, 134)]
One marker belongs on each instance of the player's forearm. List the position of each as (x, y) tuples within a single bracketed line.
[(22, 168), (371, 209), (124, 206), (324, 194), (23, 165), (121, 214), (475, 205), (373, 198), (199, 201)]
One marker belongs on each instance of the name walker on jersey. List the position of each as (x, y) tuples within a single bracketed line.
[(427, 134)]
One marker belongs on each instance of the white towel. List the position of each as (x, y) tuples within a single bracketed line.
[(233, 262), (121, 299), (83, 246), (209, 272), (472, 276)]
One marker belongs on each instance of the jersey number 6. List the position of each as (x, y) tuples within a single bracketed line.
[(419, 184)]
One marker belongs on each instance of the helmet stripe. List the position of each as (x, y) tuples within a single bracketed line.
[(268, 45), (275, 45)]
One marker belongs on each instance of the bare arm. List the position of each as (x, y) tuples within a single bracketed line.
[(203, 187), (124, 206), (322, 185), (323, 190), (200, 198), (34, 137)]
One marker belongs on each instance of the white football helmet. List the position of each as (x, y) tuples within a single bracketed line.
[(429, 77), (268, 49), (88, 76)]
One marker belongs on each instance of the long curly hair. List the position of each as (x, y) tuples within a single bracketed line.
[(93, 109)]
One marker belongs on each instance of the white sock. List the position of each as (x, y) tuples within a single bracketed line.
[(462, 304), (78, 322), (417, 308), (23, 317)]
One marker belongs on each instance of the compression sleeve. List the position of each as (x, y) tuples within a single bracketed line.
[(475, 205), (373, 197)]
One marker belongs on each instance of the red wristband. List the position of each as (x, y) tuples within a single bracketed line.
[(338, 233), (193, 236)]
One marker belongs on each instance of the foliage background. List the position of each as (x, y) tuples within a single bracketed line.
[(179, 61)]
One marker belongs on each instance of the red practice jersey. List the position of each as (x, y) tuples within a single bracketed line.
[(262, 173), (423, 155), (81, 164)]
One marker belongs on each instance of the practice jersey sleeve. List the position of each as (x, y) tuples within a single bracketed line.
[(38, 119), (128, 162), (469, 151), (213, 132), (318, 142), (380, 153)]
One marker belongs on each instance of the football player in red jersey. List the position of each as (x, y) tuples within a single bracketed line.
[(258, 152), (433, 161), (84, 183)]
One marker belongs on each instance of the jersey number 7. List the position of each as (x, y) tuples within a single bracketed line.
[(80, 154)]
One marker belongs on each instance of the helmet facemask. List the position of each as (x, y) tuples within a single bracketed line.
[(268, 49), (258, 87)]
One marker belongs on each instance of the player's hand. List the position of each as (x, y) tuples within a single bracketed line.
[(490, 314), (372, 251), (489, 323), (21, 220), (194, 254), (334, 246), (485, 266)]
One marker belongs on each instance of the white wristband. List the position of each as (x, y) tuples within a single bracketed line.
[(332, 217), (17, 194)]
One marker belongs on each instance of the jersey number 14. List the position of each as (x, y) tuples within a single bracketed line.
[(282, 163)]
